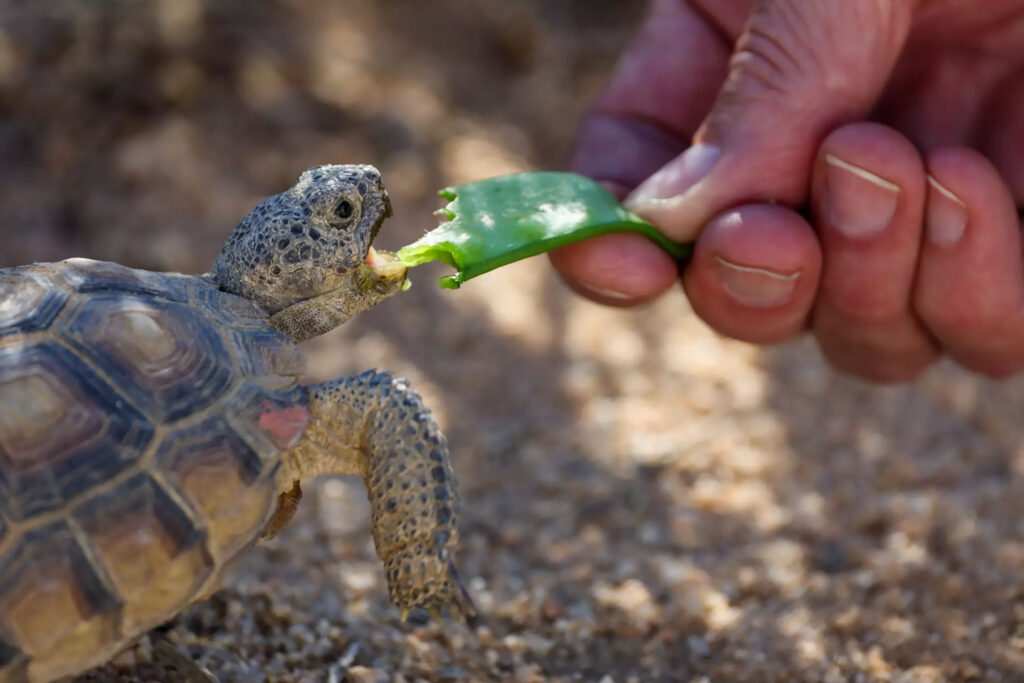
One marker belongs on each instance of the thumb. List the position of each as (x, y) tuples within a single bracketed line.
[(799, 69)]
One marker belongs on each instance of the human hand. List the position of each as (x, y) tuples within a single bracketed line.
[(911, 247)]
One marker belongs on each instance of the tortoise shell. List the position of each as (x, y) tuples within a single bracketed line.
[(136, 453)]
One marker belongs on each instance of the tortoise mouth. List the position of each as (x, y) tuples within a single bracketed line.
[(380, 271), (379, 261), (385, 264)]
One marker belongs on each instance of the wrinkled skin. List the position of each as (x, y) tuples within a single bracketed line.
[(201, 380), (864, 187), (306, 241), (305, 256)]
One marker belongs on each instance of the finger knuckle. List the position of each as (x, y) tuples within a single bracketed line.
[(781, 54), (794, 47)]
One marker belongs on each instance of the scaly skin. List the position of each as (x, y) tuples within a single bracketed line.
[(306, 241), (304, 255), (380, 277), (170, 490), (373, 425)]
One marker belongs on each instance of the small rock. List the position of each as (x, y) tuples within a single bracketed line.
[(451, 673), (698, 646), (364, 674)]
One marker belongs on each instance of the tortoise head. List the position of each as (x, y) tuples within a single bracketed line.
[(311, 240)]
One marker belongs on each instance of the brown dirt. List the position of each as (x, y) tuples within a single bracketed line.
[(644, 500)]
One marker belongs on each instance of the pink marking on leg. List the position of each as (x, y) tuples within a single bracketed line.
[(284, 426)]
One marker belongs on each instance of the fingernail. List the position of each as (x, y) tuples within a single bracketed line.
[(859, 203), (675, 178), (756, 287), (946, 216)]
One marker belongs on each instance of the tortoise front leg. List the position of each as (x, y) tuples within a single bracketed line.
[(374, 425)]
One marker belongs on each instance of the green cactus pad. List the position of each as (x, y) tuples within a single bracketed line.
[(491, 223)]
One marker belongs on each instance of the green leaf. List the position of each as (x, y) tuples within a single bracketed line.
[(491, 223)]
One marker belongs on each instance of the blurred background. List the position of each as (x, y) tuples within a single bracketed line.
[(644, 501)]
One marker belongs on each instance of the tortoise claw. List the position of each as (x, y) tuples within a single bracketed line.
[(462, 601), (178, 665), (455, 603)]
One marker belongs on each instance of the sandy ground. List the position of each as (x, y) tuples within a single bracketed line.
[(644, 501)]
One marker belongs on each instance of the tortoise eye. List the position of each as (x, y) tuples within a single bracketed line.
[(344, 210)]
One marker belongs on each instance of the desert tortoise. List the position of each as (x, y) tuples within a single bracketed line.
[(152, 426)]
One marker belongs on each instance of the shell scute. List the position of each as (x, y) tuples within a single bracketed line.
[(52, 596), (105, 530), (228, 484), (150, 546), (62, 430), (28, 301), (165, 358), (85, 275)]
